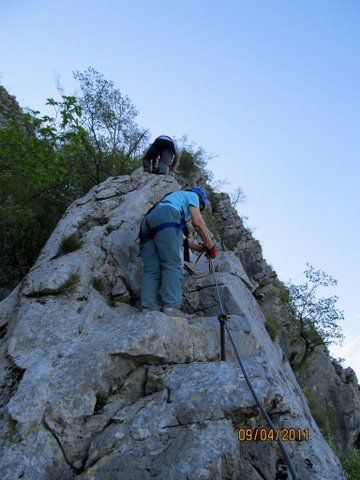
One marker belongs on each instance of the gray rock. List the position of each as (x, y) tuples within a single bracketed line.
[(337, 398), (97, 390), (240, 240)]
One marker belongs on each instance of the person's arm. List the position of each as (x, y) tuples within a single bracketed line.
[(200, 226), (195, 247)]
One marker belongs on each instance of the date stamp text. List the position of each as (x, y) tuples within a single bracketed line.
[(264, 435)]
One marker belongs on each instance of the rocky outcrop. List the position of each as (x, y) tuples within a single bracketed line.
[(334, 391), (336, 394), (93, 388), (240, 240)]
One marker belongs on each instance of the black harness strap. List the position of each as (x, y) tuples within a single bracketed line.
[(186, 245)]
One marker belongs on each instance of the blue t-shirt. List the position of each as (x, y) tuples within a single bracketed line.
[(181, 201)]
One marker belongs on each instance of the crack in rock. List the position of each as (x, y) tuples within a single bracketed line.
[(57, 440)]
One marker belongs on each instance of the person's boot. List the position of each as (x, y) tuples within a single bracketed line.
[(176, 312)]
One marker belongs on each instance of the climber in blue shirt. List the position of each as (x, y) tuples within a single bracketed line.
[(161, 239), (166, 148)]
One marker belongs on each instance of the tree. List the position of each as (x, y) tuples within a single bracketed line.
[(316, 319), (36, 182), (193, 162), (48, 161), (238, 196), (114, 139)]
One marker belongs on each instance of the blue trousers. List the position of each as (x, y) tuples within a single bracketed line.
[(161, 256)]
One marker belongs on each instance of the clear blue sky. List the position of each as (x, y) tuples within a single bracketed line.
[(271, 87)]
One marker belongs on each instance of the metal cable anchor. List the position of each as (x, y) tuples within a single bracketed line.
[(222, 319)]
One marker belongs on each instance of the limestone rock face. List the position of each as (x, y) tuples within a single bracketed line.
[(337, 395), (240, 240), (334, 390), (93, 388)]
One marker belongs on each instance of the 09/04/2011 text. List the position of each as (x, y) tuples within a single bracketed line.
[(263, 435)]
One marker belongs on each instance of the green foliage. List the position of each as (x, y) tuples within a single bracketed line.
[(186, 164), (110, 228), (272, 326), (300, 367), (316, 319), (187, 359), (70, 243), (46, 162), (212, 224), (279, 294), (63, 288), (114, 141), (34, 185), (284, 295), (111, 302), (69, 283), (324, 418), (98, 284), (193, 159), (350, 461), (270, 295)]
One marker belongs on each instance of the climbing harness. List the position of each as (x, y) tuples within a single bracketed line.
[(153, 231), (223, 325), (145, 236)]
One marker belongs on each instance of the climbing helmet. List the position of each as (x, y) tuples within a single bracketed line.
[(202, 195)]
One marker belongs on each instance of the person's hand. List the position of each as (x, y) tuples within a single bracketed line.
[(203, 247), (195, 247), (212, 252)]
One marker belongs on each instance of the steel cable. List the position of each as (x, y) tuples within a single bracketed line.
[(256, 398)]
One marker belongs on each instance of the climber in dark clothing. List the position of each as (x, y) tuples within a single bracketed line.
[(169, 153)]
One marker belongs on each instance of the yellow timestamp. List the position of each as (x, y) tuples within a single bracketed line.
[(264, 435)]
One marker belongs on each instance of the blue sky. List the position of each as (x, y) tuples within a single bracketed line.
[(270, 87)]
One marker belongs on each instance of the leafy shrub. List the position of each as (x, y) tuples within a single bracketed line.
[(110, 228), (98, 284), (212, 224), (46, 162), (350, 461), (284, 295), (272, 326), (324, 418), (111, 302), (193, 160), (316, 319)]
